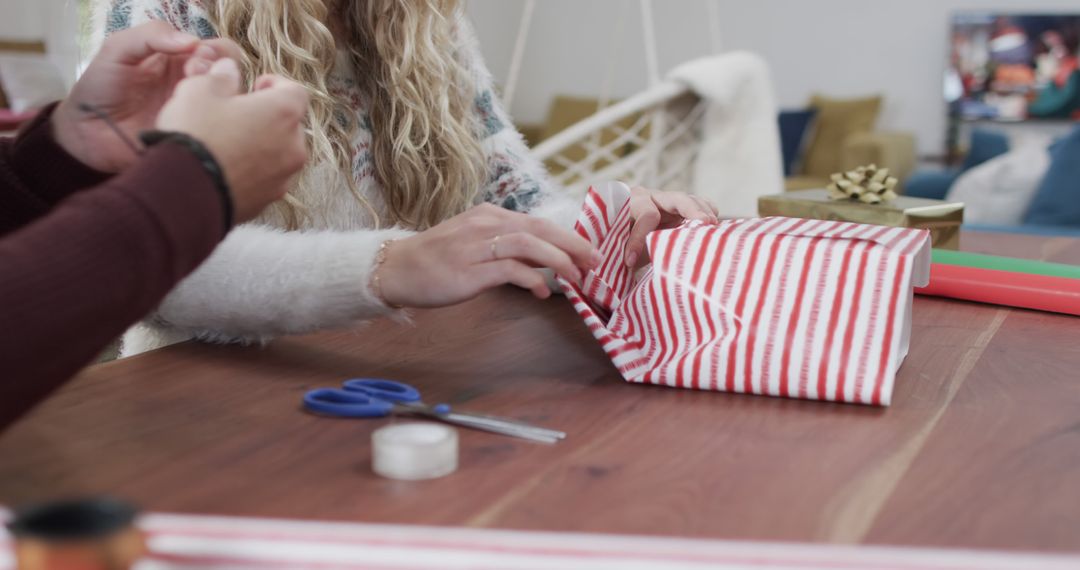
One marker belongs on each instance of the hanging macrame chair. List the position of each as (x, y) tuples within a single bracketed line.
[(649, 139)]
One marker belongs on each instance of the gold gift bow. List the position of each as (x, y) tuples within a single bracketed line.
[(868, 184)]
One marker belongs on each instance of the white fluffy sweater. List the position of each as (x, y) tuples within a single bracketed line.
[(263, 281)]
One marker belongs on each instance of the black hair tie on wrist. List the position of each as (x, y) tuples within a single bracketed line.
[(209, 163)]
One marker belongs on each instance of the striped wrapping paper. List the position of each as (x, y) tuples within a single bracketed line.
[(778, 306), (202, 543)]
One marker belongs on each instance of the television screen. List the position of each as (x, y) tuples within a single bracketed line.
[(1014, 66)]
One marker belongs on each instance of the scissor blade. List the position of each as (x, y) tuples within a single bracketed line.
[(490, 423), (512, 421), (501, 424), (482, 424), (525, 432)]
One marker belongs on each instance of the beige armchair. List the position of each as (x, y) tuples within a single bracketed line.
[(843, 136), (894, 150)]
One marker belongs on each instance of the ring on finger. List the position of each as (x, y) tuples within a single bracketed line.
[(495, 248)]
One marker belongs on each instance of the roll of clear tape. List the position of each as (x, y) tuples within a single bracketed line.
[(414, 451)]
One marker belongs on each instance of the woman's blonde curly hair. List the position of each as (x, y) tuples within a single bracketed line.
[(420, 97)]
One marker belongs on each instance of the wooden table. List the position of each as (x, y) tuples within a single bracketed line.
[(981, 447)]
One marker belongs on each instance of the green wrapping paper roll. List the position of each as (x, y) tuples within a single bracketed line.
[(980, 261)]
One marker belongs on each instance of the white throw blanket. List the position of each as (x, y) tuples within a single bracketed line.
[(739, 159)]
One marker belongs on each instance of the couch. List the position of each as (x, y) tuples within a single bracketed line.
[(985, 145), (1050, 200)]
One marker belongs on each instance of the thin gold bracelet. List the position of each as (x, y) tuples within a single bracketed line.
[(376, 285)]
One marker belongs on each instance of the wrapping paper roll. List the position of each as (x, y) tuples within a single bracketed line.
[(1015, 265), (1041, 292)]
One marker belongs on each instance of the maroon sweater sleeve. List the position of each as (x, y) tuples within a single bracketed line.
[(74, 277), (37, 174)]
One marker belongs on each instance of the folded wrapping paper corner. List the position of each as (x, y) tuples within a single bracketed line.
[(789, 307)]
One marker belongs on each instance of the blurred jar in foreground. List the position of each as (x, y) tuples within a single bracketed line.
[(85, 534)]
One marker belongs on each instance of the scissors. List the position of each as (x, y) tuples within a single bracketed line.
[(377, 398)]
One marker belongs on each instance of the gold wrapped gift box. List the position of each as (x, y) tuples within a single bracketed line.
[(942, 218)]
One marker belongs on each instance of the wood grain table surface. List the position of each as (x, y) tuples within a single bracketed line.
[(981, 447)]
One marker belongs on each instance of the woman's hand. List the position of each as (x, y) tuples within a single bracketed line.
[(130, 80), (482, 248), (655, 210)]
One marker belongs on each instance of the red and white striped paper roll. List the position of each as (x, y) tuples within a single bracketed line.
[(205, 543), (778, 306)]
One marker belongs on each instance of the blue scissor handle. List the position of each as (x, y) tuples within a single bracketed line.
[(346, 404), (383, 389)]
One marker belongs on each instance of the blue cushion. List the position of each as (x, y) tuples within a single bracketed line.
[(985, 145), (930, 183), (793, 128), (1057, 200)]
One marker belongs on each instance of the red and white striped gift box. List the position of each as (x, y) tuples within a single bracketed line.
[(778, 306)]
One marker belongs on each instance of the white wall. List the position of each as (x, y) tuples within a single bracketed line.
[(571, 44), (837, 47), (54, 21)]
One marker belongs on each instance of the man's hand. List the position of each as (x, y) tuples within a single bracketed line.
[(130, 80), (257, 138)]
